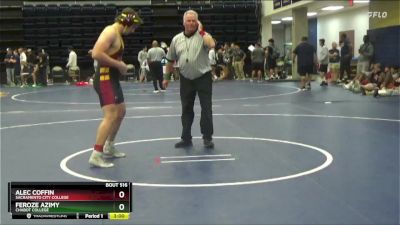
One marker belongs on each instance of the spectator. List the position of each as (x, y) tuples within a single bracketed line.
[(306, 61), (46, 58), (238, 61), (72, 64), (334, 59), (17, 66), (257, 62), (24, 67), (273, 55), (212, 56), (154, 57), (366, 52), (95, 66), (41, 69), (346, 54), (323, 60), (221, 67), (142, 59), (10, 61)]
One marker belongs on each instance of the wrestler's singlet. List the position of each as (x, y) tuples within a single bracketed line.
[(106, 81)]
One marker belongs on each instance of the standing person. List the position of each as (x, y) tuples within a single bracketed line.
[(306, 61), (238, 62), (346, 54), (257, 62), (323, 60), (154, 57), (366, 51), (44, 77), (17, 66), (72, 61), (227, 57), (270, 62), (334, 59), (108, 52), (24, 67), (41, 69), (10, 61), (32, 65), (95, 66), (190, 50), (273, 55), (22, 58), (142, 58), (212, 56)]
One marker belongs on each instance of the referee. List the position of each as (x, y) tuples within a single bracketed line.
[(190, 50)]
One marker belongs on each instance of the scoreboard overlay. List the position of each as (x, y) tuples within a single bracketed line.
[(70, 200)]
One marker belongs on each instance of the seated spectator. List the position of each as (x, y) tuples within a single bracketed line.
[(374, 81), (390, 84), (362, 78)]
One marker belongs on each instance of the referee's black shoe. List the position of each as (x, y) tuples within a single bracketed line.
[(184, 144), (208, 143)]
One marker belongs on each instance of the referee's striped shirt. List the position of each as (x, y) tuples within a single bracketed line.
[(191, 55)]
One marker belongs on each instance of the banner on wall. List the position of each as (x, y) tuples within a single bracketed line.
[(281, 3), (277, 4), (286, 2)]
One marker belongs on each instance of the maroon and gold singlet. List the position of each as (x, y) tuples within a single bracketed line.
[(106, 81)]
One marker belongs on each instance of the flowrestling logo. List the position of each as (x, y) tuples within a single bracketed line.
[(379, 15)]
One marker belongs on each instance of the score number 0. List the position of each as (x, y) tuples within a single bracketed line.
[(121, 206)]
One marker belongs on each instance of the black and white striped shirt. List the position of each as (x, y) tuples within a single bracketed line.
[(191, 55)]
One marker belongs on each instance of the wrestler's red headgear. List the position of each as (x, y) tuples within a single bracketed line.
[(129, 17)]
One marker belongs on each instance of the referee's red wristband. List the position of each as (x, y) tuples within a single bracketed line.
[(202, 33)]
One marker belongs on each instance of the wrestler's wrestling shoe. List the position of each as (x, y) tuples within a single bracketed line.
[(96, 160), (110, 151)]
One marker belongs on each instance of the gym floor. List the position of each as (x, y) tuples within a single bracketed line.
[(282, 156)]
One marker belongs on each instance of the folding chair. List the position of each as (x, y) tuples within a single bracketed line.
[(74, 72)]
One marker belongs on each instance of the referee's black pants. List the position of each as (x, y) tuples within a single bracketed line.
[(188, 89), (156, 71)]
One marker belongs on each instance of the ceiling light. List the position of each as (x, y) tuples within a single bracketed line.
[(311, 13), (276, 21), (361, 1), (333, 8), (287, 18)]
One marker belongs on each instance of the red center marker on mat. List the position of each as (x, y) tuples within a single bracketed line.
[(157, 161)]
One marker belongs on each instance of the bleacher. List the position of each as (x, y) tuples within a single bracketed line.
[(56, 25)]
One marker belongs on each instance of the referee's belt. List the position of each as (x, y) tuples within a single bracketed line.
[(104, 73)]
